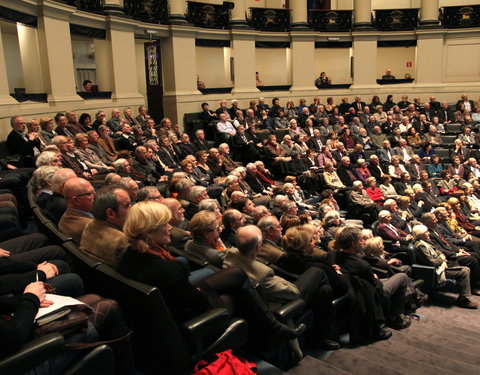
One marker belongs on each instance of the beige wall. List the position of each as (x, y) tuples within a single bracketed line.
[(458, 68), (11, 50), (213, 66), (271, 63), (141, 74), (396, 58), (335, 62)]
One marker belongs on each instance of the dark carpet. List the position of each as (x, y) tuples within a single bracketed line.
[(444, 341)]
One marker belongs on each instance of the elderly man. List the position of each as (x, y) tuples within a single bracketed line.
[(346, 173), (225, 127), (428, 255), (178, 236), (95, 146), (115, 122), (386, 153), (126, 140), (232, 220), (145, 171), (197, 194), (20, 143), (399, 238), (351, 243), (404, 152), (271, 229), (312, 286), (103, 238), (360, 197), (79, 194), (55, 205)]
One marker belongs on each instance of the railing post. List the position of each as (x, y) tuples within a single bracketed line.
[(238, 20), (429, 14), (362, 14), (177, 11)]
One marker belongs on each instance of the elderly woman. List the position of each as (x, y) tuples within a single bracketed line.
[(387, 188), (147, 229), (428, 255), (48, 158), (362, 171), (89, 157), (206, 243), (47, 133), (325, 156), (396, 169), (105, 141), (413, 138), (212, 206), (331, 222), (447, 185), (435, 168), (374, 191), (377, 257), (41, 182), (404, 210), (331, 179)]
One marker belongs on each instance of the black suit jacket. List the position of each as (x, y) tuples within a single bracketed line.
[(449, 249), (187, 149), (344, 176), (313, 144), (445, 115), (461, 101), (16, 144), (255, 183), (204, 145), (129, 143), (355, 105)]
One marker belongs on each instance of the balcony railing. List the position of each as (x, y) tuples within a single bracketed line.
[(330, 20), (461, 16), (267, 19), (153, 11), (88, 5), (396, 19), (211, 16)]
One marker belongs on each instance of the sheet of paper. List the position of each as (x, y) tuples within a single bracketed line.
[(58, 303)]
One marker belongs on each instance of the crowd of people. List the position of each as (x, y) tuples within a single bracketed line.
[(147, 199)]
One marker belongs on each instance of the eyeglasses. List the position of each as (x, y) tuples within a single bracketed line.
[(85, 194)]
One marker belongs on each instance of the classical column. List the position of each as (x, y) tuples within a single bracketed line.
[(30, 59), (299, 14), (5, 98), (238, 20), (179, 72), (56, 60), (364, 61), (429, 14), (303, 62), (114, 6), (429, 58), (243, 44), (362, 14), (177, 11), (121, 40)]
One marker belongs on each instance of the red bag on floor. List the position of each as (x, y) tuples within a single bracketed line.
[(226, 364)]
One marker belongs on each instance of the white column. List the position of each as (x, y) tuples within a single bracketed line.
[(238, 15), (362, 14), (56, 60), (178, 9), (303, 63), (30, 56), (364, 61), (121, 40), (243, 63), (299, 14), (429, 59), (5, 98), (429, 14)]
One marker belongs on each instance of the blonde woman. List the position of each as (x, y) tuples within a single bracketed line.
[(147, 230)]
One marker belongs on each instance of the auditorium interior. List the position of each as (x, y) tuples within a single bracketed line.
[(242, 186)]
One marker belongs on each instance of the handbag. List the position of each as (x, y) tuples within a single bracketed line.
[(225, 364), (73, 322)]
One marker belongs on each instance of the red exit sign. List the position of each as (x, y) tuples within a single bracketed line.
[(409, 64)]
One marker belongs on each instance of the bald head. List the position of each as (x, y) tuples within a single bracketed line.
[(79, 193), (249, 239)]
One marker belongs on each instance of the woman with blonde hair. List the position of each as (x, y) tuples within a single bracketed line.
[(147, 230)]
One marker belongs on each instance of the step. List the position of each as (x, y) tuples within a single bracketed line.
[(310, 366)]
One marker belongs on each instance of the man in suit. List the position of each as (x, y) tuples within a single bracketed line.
[(315, 142), (178, 236), (374, 168), (223, 109), (469, 104), (79, 194), (186, 146), (167, 154), (388, 231), (378, 137), (62, 126), (271, 229), (386, 153), (404, 151), (312, 286), (197, 194), (445, 114), (392, 206), (346, 173), (24, 145), (344, 106), (126, 140), (351, 243), (232, 220), (434, 105), (103, 238), (415, 167), (340, 152), (200, 143), (358, 104)]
